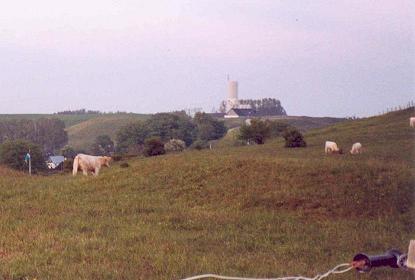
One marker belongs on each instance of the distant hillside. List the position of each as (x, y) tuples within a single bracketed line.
[(303, 123), (82, 135)]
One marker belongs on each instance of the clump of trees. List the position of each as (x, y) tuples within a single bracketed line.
[(263, 107), (48, 133), (208, 128), (294, 138), (79, 112), (68, 152), (103, 146), (88, 112), (13, 152), (175, 145), (258, 131), (167, 126), (153, 146)]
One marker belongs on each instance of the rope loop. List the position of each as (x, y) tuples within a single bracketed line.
[(341, 268)]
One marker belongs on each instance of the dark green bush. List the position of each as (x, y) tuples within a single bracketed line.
[(68, 152), (258, 131), (12, 154), (209, 128), (294, 138), (153, 147), (200, 145), (124, 165)]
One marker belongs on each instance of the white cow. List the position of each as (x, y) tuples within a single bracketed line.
[(356, 148), (412, 121), (331, 147), (89, 163)]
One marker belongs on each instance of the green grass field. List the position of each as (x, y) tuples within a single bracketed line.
[(254, 211)]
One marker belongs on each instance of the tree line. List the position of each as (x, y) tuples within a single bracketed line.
[(48, 133), (166, 126), (87, 112), (40, 137)]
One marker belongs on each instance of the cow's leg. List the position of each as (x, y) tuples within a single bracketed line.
[(96, 172), (85, 171)]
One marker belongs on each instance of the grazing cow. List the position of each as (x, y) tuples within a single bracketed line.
[(89, 163), (331, 148), (356, 148), (412, 121)]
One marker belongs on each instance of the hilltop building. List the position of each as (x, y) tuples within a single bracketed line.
[(233, 107), (233, 101)]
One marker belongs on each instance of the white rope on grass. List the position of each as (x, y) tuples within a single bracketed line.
[(341, 268)]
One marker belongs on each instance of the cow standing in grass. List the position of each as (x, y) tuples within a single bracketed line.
[(412, 121), (356, 149), (332, 148), (89, 163)]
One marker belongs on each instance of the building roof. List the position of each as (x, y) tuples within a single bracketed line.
[(56, 160), (243, 112)]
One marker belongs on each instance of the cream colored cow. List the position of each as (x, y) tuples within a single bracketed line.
[(356, 149), (412, 121), (332, 148), (89, 163)]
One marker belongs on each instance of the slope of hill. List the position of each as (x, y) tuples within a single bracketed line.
[(253, 211), (82, 135), (303, 123)]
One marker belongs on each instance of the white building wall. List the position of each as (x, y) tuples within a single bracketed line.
[(232, 101)]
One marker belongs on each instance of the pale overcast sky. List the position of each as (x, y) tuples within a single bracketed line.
[(320, 58)]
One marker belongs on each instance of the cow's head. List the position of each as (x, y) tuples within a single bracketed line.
[(337, 152), (106, 161)]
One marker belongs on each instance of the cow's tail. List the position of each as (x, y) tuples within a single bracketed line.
[(75, 166)]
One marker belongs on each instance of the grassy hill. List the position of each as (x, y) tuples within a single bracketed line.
[(82, 135), (254, 211)]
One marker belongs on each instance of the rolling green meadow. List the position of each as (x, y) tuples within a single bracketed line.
[(252, 211)]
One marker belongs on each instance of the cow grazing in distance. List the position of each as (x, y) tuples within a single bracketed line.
[(332, 148), (89, 163), (356, 149), (412, 121)]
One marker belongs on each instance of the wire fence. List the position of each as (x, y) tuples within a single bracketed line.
[(410, 104)]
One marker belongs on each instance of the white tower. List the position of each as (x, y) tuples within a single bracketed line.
[(232, 101)]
